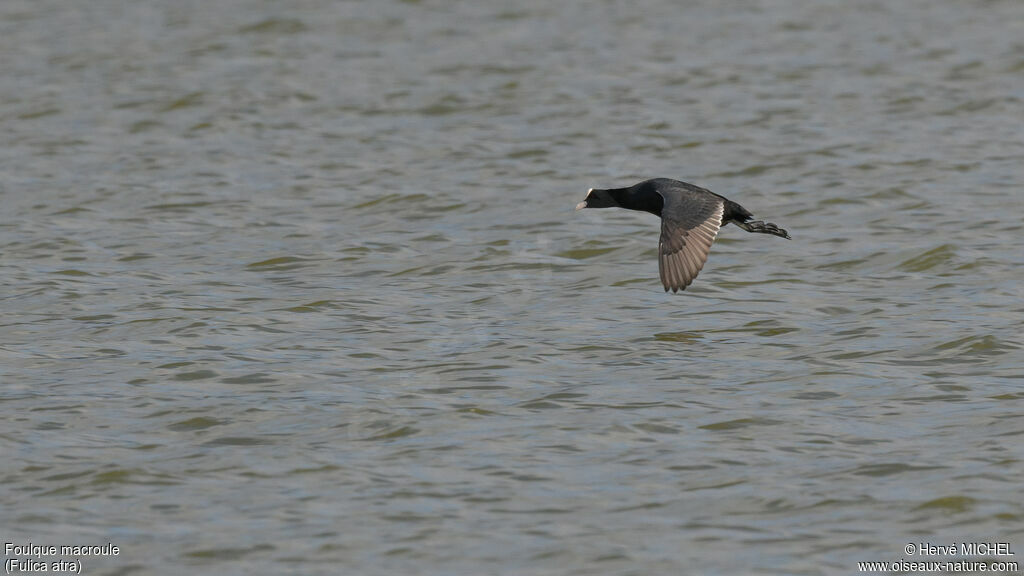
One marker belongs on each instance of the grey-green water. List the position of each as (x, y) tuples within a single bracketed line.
[(299, 288)]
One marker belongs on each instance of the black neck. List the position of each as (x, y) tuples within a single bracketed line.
[(639, 197)]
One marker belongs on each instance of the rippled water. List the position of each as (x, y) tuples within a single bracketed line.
[(300, 288)]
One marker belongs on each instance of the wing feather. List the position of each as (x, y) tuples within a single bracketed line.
[(688, 228)]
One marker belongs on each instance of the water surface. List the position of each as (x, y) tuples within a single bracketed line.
[(300, 288)]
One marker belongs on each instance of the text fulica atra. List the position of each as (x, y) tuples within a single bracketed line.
[(690, 219)]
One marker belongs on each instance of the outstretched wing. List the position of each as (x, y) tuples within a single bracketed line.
[(689, 224)]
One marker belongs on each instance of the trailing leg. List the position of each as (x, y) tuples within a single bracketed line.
[(762, 227)]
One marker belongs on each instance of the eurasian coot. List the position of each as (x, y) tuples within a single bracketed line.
[(690, 219)]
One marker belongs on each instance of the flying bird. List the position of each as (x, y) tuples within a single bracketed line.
[(690, 219)]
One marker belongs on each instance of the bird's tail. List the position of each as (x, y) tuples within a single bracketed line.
[(762, 227)]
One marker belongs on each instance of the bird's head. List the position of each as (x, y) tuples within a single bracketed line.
[(597, 198)]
